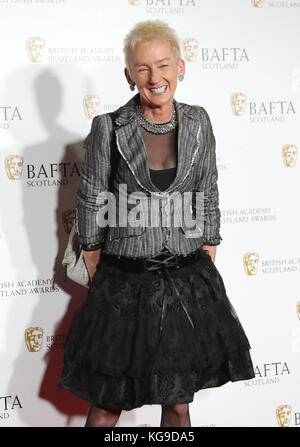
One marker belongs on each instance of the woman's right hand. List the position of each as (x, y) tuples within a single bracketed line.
[(91, 259)]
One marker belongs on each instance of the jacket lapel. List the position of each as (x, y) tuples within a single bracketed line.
[(189, 138), (131, 145)]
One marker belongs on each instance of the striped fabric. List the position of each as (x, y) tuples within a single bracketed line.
[(119, 135)]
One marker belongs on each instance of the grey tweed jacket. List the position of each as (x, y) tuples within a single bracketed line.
[(116, 140)]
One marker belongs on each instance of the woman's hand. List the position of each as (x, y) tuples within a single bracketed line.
[(91, 259), (212, 249)]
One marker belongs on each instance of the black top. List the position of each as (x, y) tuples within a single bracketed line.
[(162, 178)]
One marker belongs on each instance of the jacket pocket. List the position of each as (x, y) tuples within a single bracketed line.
[(125, 232), (192, 232)]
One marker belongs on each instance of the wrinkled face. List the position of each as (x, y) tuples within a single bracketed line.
[(154, 70)]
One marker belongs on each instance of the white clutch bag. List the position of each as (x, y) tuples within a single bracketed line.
[(73, 261)]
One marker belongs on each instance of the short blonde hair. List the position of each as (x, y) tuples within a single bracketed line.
[(150, 30)]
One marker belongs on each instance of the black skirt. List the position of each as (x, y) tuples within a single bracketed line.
[(119, 354)]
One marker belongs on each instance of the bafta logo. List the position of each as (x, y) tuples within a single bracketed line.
[(298, 309), (190, 49), (251, 263), (258, 3), (289, 154), (14, 166), (35, 48), (68, 220), (238, 103), (134, 2), (91, 106), (34, 338), (283, 414)]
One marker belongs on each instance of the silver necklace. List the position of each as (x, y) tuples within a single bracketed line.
[(157, 128)]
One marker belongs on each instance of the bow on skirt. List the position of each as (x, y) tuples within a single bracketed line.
[(161, 264)]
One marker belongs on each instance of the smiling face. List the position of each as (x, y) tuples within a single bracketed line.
[(154, 70)]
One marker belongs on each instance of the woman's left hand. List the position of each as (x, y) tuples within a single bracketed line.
[(212, 249)]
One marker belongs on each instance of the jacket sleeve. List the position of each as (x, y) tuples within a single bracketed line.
[(94, 179), (211, 233)]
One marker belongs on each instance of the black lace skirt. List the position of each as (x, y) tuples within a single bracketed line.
[(119, 353)]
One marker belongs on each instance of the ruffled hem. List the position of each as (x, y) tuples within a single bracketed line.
[(127, 393), (135, 347)]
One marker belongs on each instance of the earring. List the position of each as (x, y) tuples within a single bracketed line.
[(132, 87), (180, 78)]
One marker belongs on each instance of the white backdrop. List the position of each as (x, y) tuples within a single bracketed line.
[(56, 53)]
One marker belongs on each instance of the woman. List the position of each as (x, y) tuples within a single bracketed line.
[(157, 325)]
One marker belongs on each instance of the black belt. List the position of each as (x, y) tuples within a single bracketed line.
[(159, 263)]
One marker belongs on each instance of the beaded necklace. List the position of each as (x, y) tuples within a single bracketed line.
[(157, 128)]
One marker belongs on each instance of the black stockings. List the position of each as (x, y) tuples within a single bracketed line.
[(175, 415), (102, 417)]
